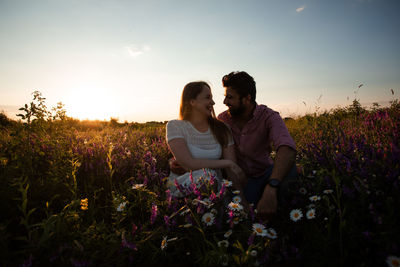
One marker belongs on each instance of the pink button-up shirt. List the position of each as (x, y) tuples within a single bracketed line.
[(253, 144)]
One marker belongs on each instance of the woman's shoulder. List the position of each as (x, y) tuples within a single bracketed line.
[(176, 123)]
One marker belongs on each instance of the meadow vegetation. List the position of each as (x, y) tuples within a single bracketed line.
[(86, 193)]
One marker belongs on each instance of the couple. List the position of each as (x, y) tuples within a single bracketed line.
[(239, 142)]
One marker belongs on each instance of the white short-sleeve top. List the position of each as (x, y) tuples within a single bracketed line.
[(202, 145)]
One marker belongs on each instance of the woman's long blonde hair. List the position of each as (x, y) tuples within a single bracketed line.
[(190, 92)]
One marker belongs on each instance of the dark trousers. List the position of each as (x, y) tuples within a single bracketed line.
[(255, 185)]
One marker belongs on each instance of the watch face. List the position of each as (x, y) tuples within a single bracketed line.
[(274, 182)]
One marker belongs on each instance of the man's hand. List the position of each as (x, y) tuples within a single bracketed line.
[(268, 204), (175, 167)]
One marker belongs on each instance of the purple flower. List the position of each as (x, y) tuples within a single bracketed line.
[(250, 241), (154, 213), (166, 220)]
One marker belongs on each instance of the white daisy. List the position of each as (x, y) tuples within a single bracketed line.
[(137, 186), (259, 229), (121, 206), (302, 190), (310, 214), (236, 199), (393, 261), (223, 243), (253, 253), (235, 206), (228, 233), (328, 191), (296, 215), (227, 183), (208, 218), (236, 192), (271, 233), (315, 198)]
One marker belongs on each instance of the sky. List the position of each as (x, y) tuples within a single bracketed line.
[(131, 59)]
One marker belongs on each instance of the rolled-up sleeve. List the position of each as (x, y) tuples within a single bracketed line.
[(279, 133)]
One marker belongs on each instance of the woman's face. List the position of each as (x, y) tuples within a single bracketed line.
[(203, 103)]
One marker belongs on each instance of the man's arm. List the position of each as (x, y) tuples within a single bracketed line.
[(284, 161)]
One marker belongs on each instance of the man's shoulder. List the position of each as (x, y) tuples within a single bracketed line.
[(264, 112), (224, 116)]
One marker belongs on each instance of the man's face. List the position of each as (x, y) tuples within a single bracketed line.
[(233, 102)]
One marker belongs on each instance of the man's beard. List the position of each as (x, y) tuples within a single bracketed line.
[(238, 111)]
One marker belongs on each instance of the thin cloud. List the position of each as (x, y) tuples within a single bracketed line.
[(136, 50), (300, 9)]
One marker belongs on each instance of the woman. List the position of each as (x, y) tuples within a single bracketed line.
[(200, 143)]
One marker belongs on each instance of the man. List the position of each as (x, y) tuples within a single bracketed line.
[(255, 129)]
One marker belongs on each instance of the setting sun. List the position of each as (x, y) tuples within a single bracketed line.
[(90, 103)]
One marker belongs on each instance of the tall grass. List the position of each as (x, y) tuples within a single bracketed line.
[(94, 193)]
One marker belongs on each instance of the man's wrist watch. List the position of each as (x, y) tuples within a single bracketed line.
[(274, 183)]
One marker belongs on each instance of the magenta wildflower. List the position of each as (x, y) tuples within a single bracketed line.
[(166, 220), (154, 213), (222, 191), (169, 197), (212, 196)]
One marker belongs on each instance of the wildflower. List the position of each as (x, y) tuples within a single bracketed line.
[(84, 204), (296, 215), (250, 241), (228, 233), (310, 214), (259, 229), (236, 220), (166, 220), (121, 206), (393, 261), (236, 199), (164, 243), (236, 192), (271, 233), (235, 206), (154, 213), (328, 191), (227, 183), (208, 218), (223, 243), (137, 186), (302, 190), (253, 253), (315, 198)]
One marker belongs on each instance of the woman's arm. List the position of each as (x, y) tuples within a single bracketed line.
[(182, 154)]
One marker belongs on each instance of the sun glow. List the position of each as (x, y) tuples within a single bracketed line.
[(92, 104)]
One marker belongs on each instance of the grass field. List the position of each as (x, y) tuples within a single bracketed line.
[(78, 193)]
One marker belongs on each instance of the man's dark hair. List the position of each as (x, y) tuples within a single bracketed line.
[(242, 83)]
